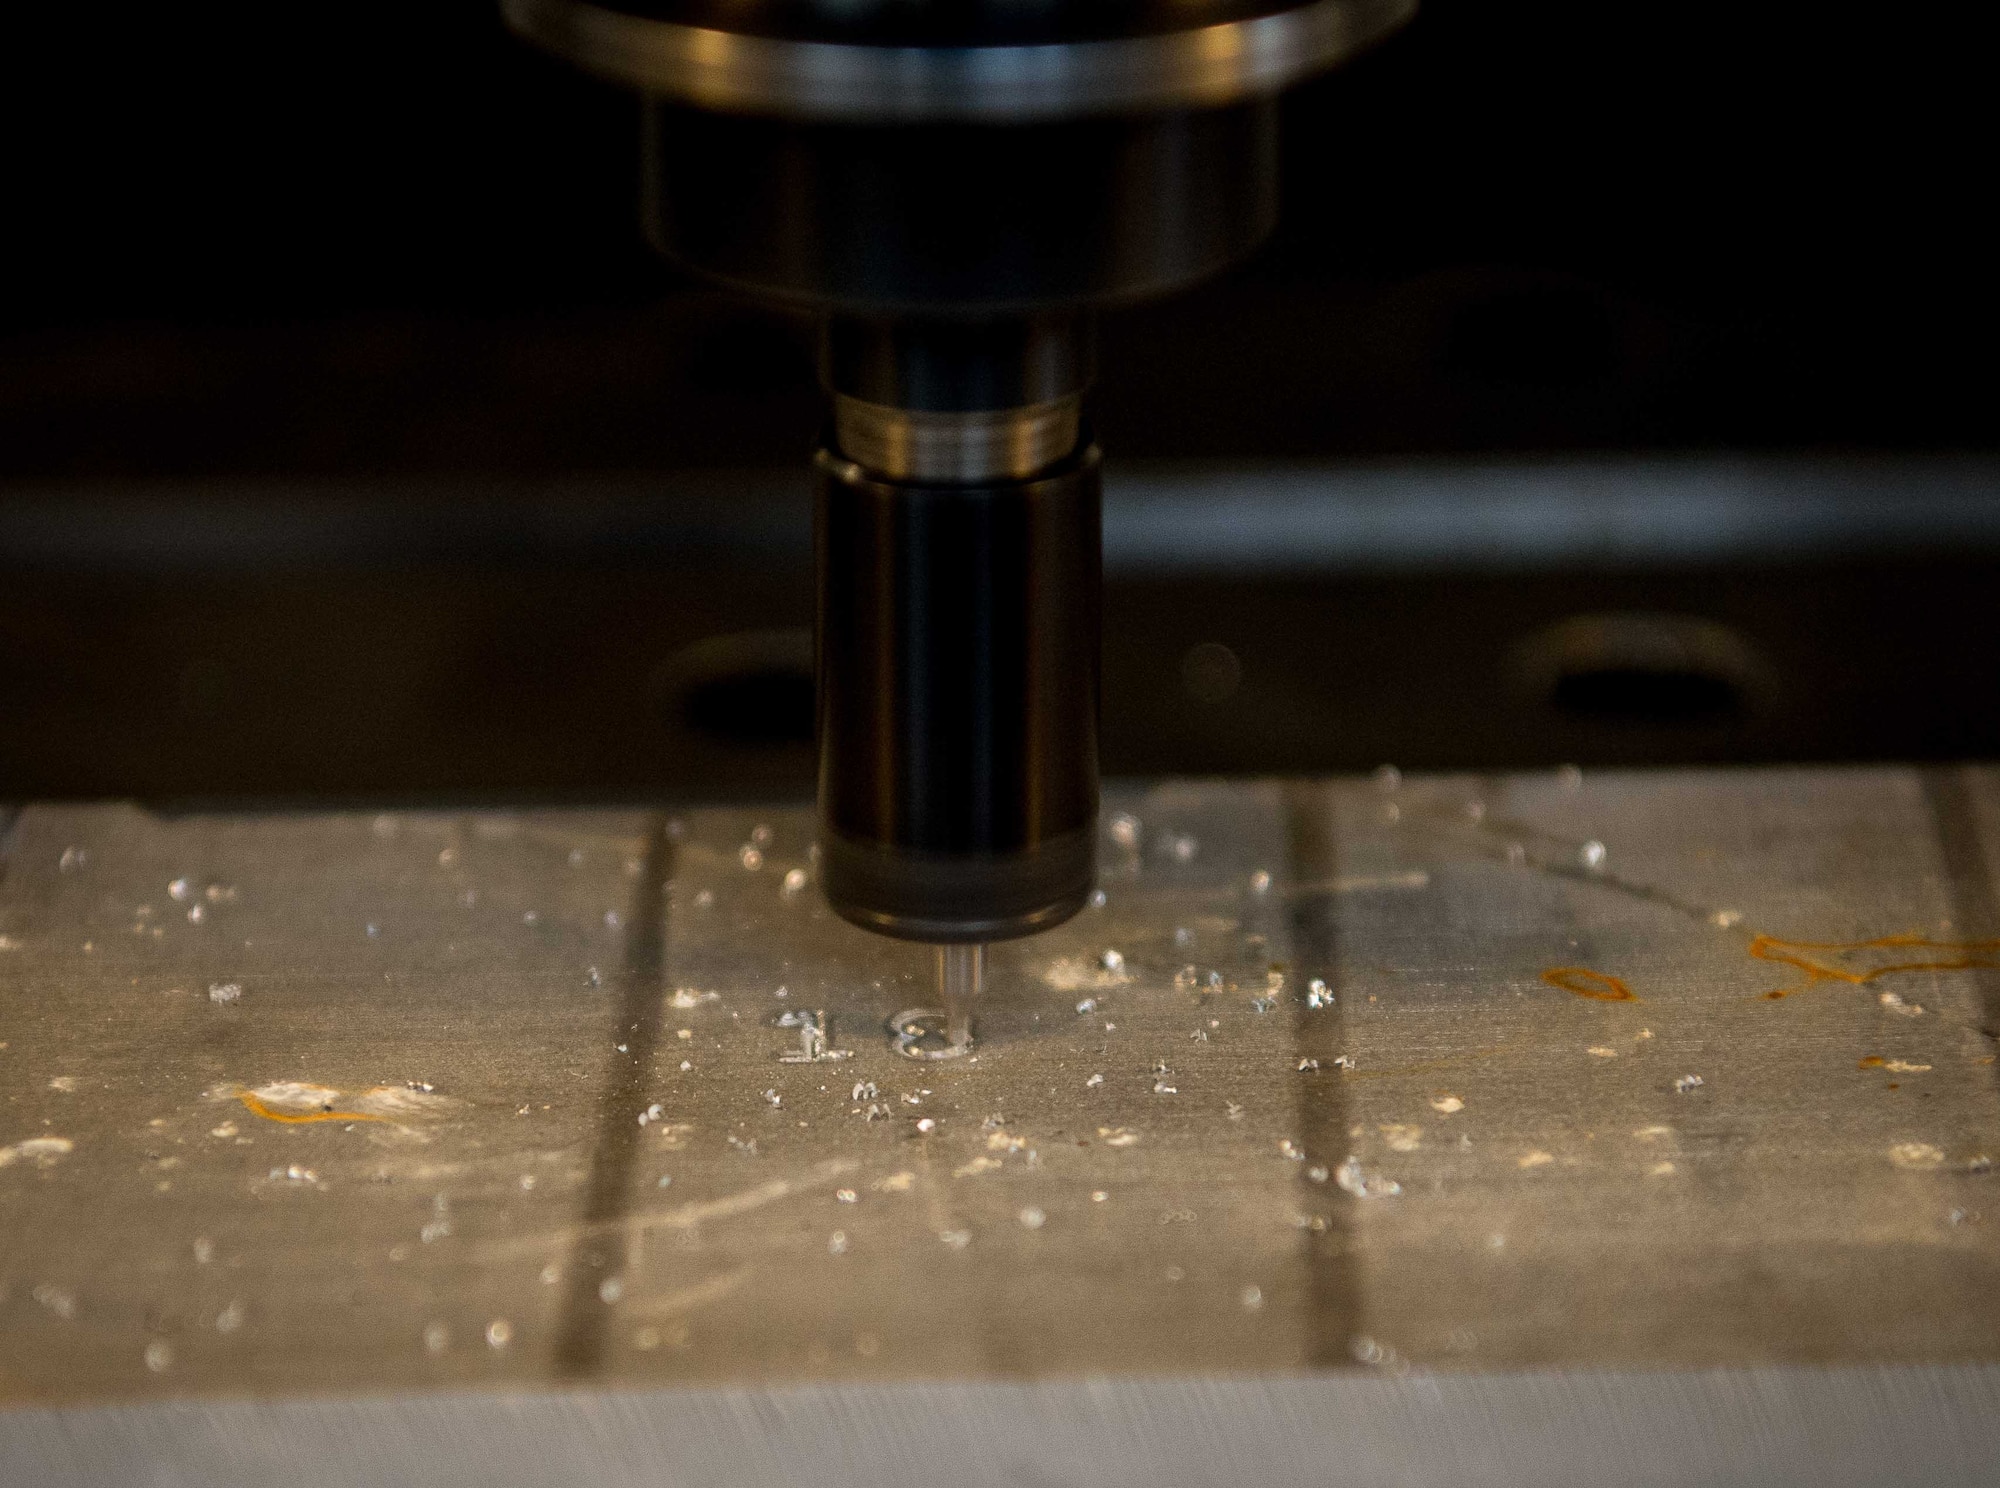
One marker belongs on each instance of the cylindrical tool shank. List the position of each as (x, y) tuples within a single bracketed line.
[(958, 677)]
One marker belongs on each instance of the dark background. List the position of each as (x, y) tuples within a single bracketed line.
[(301, 254), (390, 237)]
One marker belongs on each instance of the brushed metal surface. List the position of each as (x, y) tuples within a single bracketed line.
[(1787, 1427), (988, 445), (1201, 67), (1478, 1149)]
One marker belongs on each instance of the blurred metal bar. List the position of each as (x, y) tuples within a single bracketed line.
[(1778, 1428), (1260, 518)]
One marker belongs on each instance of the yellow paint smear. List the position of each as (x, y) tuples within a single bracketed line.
[(1969, 954), (296, 1118), (1587, 983)]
